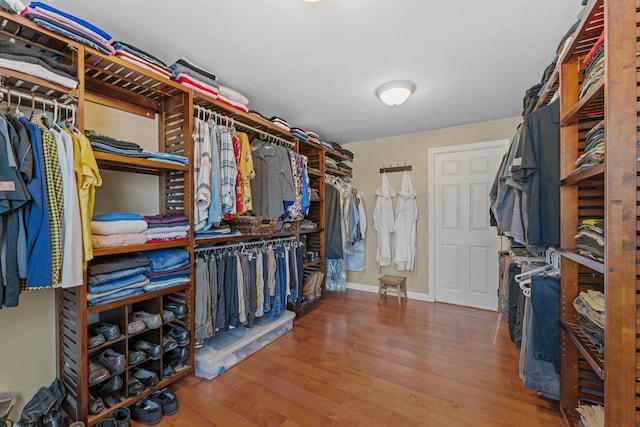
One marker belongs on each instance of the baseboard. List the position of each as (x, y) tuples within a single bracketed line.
[(374, 289)]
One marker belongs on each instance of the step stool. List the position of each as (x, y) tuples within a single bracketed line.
[(398, 282)]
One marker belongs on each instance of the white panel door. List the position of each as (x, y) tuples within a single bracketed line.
[(465, 247)]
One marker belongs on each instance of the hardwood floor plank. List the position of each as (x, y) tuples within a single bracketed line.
[(353, 362)]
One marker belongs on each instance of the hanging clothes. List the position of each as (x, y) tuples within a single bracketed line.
[(383, 221), (247, 173), (273, 184), (405, 225)]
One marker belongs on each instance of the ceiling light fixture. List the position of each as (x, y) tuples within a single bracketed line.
[(396, 92), (311, 1)]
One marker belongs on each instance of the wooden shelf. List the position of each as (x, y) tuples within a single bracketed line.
[(128, 401), (595, 172), (590, 104), (137, 298), (337, 155), (138, 248), (313, 263), (587, 33), (135, 164), (203, 241), (311, 231), (582, 260), (586, 349), (332, 171)]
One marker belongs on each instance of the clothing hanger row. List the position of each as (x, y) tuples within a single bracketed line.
[(396, 168), (244, 246), (67, 105), (206, 114)]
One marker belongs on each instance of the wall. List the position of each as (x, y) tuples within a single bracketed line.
[(28, 332), (411, 149)]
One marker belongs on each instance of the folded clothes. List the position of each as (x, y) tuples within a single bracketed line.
[(117, 216), (14, 49), (100, 296), (72, 32), (13, 6), (233, 95), (116, 296), (116, 284), (115, 240), (104, 148), (259, 115), (165, 218), (106, 228), (166, 259), (38, 70), (156, 285), (232, 103), (133, 50), (142, 63), (107, 140), (112, 263), (198, 86), (99, 279), (185, 63), (167, 229), (181, 271), (160, 225), (55, 12), (159, 155), (169, 235)]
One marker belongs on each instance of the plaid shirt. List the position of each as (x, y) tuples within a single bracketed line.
[(55, 198)]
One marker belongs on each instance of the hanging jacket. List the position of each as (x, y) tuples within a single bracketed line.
[(406, 219), (383, 222)]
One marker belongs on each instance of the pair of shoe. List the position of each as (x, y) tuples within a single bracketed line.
[(153, 351), (180, 334), (150, 410), (177, 358), (113, 361), (120, 417), (135, 386), (102, 332), (179, 310), (152, 321), (136, 326), (110, 392), (146, 377), (97, 372), (136, 356)]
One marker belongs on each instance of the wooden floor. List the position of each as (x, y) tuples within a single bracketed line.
[(353, 362)]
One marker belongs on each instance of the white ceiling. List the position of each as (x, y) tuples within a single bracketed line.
[(317, 65)]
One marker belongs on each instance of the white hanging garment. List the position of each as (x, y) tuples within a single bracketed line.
[(406, 219), (383, 222)]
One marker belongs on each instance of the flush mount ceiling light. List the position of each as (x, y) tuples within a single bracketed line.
[(311, 1), (396, 92)]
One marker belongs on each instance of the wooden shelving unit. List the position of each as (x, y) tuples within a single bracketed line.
[(608, 191)]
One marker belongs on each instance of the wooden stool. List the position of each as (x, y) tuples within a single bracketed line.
[(397, 282)]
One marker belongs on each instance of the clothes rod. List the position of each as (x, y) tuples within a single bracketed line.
[(229, 121), (65, 104), (395, 168), (247, 245)]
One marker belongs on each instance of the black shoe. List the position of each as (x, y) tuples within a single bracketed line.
[(97, 373), (107, 422), (178, 309), (153, 351), (180, 334), (53, 419), (153, 321), (176, 358), (135, 386), (168, 343), (147, 411), (146, 377), (113, 361), (136, 356), (122, 416), (96, 404), (110, 391), (168, 400), (167, 371), (109, 331), (95, 340), (168, 316)]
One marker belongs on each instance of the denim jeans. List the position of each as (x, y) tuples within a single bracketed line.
[(99, 279), (213, 293), (221, 312), (116, 284), (593, 333), (251, 290), (125, 293), (202, 318), (539, 375), (166, 259), (545, 302), (231, 291), (278, 301)]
